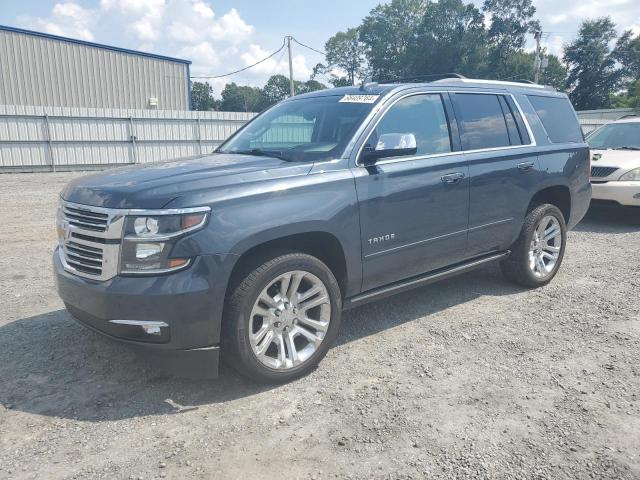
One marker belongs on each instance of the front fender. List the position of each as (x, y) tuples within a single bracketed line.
[(250, 215)]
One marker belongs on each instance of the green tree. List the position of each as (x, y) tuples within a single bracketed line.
[(388, 34), (593, 74), (310, 86), (276, 89), (519, 66), (511, 21), (627, 54), (450, 38), (628, 99), (346, 51), (555, 74), (241, 99), (202, 97)]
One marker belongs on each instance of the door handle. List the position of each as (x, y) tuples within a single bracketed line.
[(452, 177), (524, 166)]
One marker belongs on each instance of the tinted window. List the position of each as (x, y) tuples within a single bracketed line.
[(306, 129), (422, 115), (558, 118), (481, 120), (621, 136)]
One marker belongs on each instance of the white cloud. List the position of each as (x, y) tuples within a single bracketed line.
[(67, 19), (181, 32), (231, 27), (203, 10), (143, 17), (133, 7), (206, 54), (274, 65)]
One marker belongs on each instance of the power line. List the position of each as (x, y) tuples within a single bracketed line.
[(245, 68), (307, 46)]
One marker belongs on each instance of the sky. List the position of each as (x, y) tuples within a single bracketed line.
[(221, 36)]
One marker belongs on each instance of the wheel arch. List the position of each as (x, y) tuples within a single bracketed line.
[(318, 243), (558, 195)]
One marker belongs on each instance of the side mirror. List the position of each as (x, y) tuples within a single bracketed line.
[(390, 145)]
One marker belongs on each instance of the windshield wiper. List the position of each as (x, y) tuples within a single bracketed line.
[(627, 148), (262, 153)]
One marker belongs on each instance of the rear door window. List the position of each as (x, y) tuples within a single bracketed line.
[(558, 118), (482, 122)]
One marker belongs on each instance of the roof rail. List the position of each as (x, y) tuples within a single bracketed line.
[(518, 83), (429, 77)]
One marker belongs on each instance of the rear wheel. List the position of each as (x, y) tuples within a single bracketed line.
[(281, 318), (537, 254)]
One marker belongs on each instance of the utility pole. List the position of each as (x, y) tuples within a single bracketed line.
[(538, 61), (291, 84)]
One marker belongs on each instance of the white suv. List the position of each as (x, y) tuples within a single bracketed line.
[(615, 167)]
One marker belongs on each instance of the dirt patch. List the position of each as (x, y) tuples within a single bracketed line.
[(469, 378)]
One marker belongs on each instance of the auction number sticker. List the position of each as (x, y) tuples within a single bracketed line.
[(359, 98)]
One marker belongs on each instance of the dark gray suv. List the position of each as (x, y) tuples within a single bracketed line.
[(323, 202)]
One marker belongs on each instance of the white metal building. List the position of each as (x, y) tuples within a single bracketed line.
[(47, 70)]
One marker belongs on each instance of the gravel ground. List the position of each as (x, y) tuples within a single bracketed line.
[(469, 378)]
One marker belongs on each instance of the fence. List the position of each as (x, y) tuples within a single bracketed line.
[(56, 138)]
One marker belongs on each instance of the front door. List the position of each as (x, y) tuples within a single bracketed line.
[(413, 210)]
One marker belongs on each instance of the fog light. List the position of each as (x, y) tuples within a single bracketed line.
[(144, 251), (150, 327)]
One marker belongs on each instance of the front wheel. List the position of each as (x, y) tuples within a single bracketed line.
[(281, 319), (538, 252)]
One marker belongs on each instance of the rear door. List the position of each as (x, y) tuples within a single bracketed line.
[(503, 168), (413, 209)]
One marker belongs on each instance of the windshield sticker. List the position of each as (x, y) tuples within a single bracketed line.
[(359, 98)]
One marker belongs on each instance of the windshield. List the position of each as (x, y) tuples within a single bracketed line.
[(616, 136), (309, 129)]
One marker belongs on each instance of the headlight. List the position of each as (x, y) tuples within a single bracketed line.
[(149, 238), (632, 176)]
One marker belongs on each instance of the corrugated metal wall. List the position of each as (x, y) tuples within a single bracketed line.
[(592, 119), (49, 138), (38, 70)]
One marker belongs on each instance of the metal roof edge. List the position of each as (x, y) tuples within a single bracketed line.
[(92, 44)]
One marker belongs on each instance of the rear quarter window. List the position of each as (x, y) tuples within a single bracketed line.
[(558, 118)]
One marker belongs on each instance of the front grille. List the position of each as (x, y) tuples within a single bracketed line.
[(89, 240), (85, 219), (83, 258), (600, 172)]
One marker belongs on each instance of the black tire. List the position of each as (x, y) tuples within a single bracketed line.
[(516, 266), (236, 345)]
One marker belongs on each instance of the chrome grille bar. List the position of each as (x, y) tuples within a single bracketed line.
[(90, 240)]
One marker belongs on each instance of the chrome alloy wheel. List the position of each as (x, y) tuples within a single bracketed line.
[(289, 320), (545, 246)]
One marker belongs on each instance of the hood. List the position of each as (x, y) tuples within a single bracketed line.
[(155, 185), (624, 160)]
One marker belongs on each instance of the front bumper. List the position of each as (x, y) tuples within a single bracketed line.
[(188, 304), (624, 193)]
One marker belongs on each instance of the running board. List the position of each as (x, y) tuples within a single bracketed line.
[(422, 280)]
